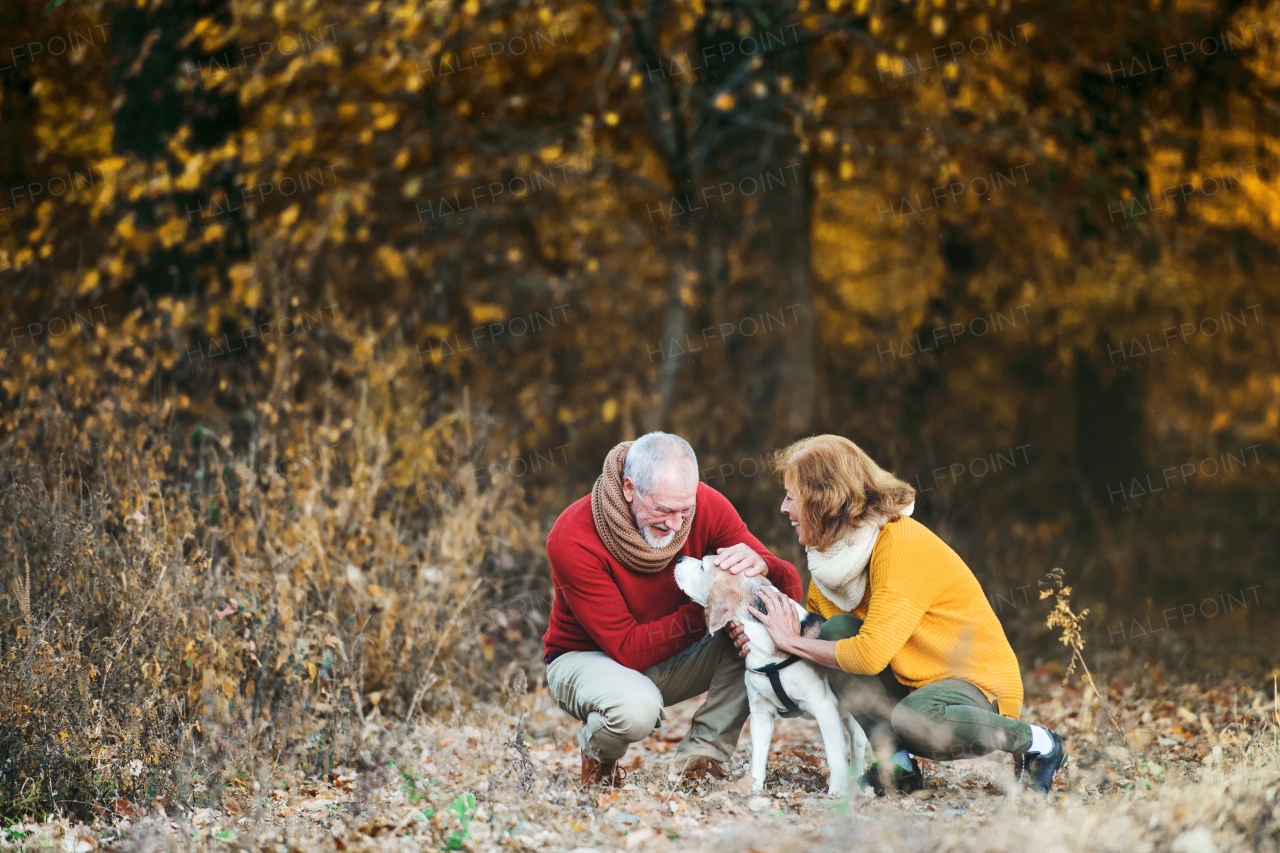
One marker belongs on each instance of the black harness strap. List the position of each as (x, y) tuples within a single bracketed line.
[(790, 708)]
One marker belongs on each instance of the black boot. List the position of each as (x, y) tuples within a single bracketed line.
[(884, 776), (1042, 768)]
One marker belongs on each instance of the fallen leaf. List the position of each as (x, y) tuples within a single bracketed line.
[(316, 803), (124, 808), (640, 836), (343, 780)]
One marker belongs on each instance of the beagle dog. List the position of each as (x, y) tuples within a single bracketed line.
[(777, 685)]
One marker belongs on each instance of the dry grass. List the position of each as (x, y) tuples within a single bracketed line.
[(462, 783), (181, 607)]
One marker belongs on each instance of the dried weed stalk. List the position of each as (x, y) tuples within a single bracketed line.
[(1062, 616), (522, 763)]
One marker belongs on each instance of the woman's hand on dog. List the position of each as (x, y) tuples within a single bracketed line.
[(781, 621)]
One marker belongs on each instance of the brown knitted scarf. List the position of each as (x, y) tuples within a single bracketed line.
[(617, 526)]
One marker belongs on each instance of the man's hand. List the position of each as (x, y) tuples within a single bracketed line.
[(739, 638), (740, 558), (781, 621)]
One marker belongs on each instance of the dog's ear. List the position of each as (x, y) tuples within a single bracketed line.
[(724, 599), (811, 626)]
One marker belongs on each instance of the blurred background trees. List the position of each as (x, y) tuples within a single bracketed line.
[(1024, 253)]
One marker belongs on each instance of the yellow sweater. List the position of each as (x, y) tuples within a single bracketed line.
[(926, 616)]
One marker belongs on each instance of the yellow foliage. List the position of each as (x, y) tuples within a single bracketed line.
[(391, 262), (88, 281)]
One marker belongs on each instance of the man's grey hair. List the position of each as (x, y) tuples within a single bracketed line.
[(655, 454)]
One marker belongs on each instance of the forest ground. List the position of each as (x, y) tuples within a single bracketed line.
[(1206, 781)]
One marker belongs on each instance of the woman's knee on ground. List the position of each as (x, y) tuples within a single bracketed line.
[(842, 626)]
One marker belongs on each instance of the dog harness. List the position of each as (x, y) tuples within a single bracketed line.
[(790, 708)]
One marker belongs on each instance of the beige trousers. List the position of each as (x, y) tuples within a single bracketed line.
[(619, 706)]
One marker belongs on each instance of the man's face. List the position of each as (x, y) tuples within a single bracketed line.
[(660, 514)]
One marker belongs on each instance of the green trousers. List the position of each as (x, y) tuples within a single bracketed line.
[(941, 721)]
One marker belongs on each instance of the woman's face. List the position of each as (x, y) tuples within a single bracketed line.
[(791, 509)]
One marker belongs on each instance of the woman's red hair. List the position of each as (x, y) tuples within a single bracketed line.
[(838, 487)]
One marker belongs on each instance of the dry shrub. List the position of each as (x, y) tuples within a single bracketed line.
[(241, 593), (80, 723), (63, 744)]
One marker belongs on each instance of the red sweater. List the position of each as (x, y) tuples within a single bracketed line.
[(638, 619)]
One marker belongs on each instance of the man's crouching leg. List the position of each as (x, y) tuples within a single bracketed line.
[(617, 706), (714, 667)]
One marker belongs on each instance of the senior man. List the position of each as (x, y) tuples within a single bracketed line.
[(624, 642)]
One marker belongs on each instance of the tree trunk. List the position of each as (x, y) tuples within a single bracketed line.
[(1109, 430), (776, 371), (159, 87), (673, 332), (788, 247)]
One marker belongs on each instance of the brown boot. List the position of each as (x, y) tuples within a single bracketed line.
[(703, 767), (598, 773)]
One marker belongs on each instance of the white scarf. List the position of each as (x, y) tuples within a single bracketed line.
[(841, 571)]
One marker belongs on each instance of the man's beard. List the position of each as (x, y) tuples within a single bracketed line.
[(654, 541)]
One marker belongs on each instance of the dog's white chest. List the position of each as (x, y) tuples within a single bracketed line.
[(801, 682), (806, 687)]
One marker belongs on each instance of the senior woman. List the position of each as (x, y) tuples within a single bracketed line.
[(915, 651)]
